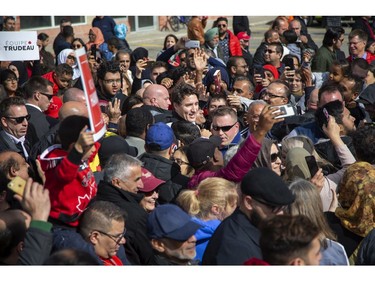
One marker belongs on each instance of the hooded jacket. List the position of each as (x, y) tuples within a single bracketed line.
[(70, 182)]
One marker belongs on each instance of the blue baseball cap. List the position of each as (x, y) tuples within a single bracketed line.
[(170, 221), (159, 136)]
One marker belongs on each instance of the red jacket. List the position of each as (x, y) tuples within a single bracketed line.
[(234, 45), (70, 182), (56, 103), (236, 168)]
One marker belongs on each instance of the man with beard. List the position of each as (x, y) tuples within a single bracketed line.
[(172, 235), (263, 195), (211, 44), (109, 84), (227, 40)]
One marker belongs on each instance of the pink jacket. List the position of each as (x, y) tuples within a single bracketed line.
[(236, 168)]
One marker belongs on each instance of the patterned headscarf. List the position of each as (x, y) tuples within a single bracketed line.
[(357, 198)]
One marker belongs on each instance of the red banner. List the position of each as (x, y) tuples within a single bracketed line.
[(96, 121)]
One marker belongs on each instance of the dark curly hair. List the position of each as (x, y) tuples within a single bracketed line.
[(363, 142), (107, 66)]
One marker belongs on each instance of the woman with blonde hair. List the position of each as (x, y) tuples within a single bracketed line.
[(212, 201), (308, 203)]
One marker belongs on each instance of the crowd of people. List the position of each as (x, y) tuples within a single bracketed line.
[(211, 156)]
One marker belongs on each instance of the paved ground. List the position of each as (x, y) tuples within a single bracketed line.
[(153, 40)]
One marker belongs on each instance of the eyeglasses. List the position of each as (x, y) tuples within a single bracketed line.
[(71, 57), (20, 119), (271, 95), (77, 46), (180, 161), (116, 238), (124, 61), (274, 209), (274, 156), (221, 25), (269, 51), (11, 80), (49, 97), (223, 128), (112, 81)]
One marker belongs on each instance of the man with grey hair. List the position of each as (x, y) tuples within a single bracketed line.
[(120, 185)]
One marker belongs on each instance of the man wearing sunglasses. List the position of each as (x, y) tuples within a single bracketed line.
[(228, 42), (263, 195), (226, 126), (38, 93), (14, 123), (273, 55)]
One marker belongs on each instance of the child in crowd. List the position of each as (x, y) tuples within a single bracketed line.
[(69, 179)]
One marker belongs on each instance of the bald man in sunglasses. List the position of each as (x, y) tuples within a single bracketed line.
[(226, 126)]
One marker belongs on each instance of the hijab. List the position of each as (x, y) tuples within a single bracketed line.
[(357, 198), (61, 58), (99, 38), (296, 166)]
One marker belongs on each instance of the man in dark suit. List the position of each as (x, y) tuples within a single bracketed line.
[(38, 92), (14, 123)]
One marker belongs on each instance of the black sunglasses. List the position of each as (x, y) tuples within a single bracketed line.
[(49, 97), (20, 119), (274, 156), (71, 57), (223, 128)]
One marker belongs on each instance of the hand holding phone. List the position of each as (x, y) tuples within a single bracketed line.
[(192, 44), (259, 70), (286, 109), (311, 163), (217, 80), (289, 62), (17, 185), (93, 50)]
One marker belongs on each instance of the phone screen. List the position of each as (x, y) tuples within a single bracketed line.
[(311, 163), (93, 50), (217, 81), (289, 62)]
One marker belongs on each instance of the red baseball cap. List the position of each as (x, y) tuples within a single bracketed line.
[(243, 35), (150, 182)]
